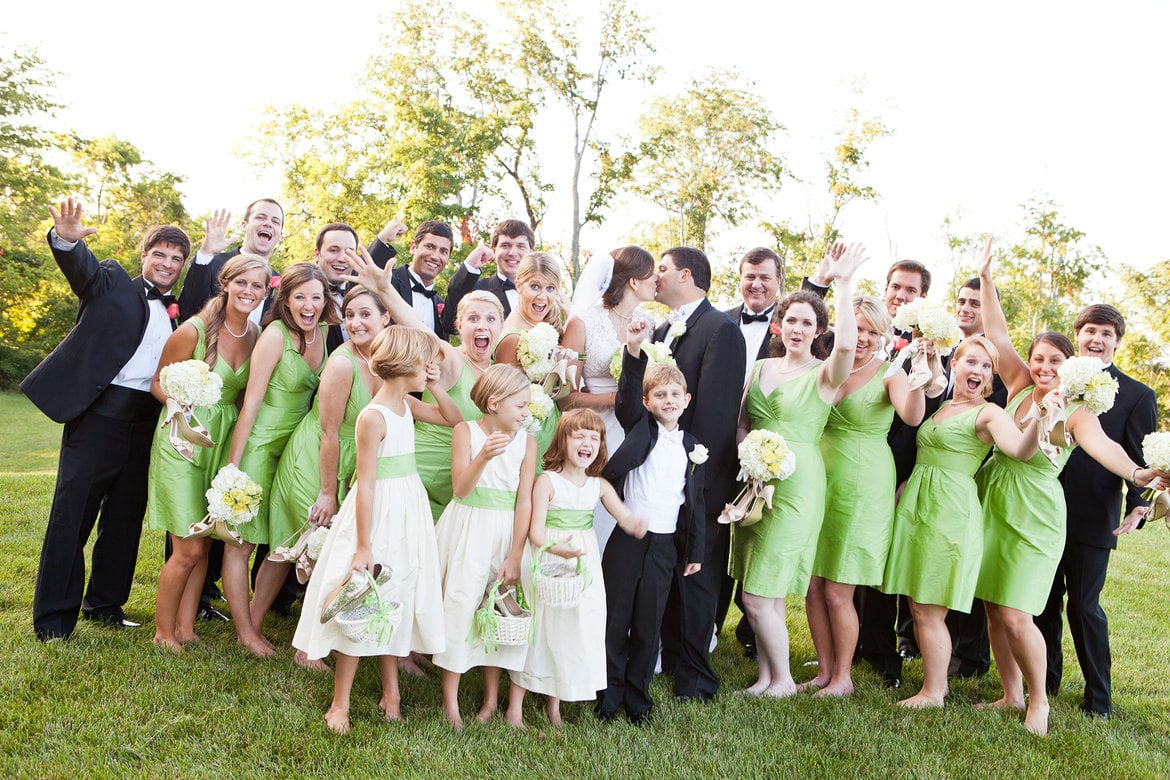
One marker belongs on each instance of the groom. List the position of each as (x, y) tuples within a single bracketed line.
[(709, 350), (97, 382)]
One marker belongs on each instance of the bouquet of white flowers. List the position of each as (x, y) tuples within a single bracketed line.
[(233, 499), (764, 458), (656, 352), (304, 549), (935, 322), (1084, 379), (1156, 452), (535, 350), (539, 408), (187, 385)]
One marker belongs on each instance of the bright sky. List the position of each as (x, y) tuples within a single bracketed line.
[(990, 103)]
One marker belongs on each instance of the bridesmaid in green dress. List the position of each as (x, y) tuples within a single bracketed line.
[(538, 282), (859, 495), (938, 527), (286, 369), (1024, 511), (222, 336), (791, 395), (320, 458)]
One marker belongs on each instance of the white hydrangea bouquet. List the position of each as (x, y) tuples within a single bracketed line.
[(933, 321), (1156, 452), (1084, 379), (539, 408), (187, 385), (535, 350), (656, 352), (764, 458), (233, 499)]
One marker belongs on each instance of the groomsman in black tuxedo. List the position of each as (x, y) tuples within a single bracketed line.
[(761, 278), (329, 255), (510, 242), (430, 249), (97, 382), (709, 350), (263, 228), (1093, 496)]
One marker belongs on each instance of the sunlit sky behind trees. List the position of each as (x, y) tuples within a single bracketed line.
[(988, 105)]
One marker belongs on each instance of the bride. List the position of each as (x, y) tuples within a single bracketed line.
[(606, 299)]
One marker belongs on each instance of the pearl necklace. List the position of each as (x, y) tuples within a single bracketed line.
[(365, 360), (474, 366), (808, 362), (312, 341), (969, 400), (232, 332), (863, 365)]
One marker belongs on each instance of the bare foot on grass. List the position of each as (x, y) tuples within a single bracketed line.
[(453, 717), (301, 659), (1036, 721), (779, 690), (173, 645), (391, 710), (337, 719), (1000, 704), (485, 713), (921, 701), (261, 648), (837, 690)]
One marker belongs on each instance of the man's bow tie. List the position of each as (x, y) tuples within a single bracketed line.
[(153, 294), (338, 290), (418, 288), (746, 316), (508, 284), (675, 436)]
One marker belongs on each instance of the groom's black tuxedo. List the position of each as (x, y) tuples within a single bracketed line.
[(710, 355), (105, 446), (400, 279), (464, 282), (201, 283)]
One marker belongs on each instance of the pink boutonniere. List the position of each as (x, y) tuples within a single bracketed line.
[(439, 308), (274, 282), (900, 344), (774, 328), (173, 310)]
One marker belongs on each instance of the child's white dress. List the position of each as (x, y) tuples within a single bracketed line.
[(402, 537), (474, 537), (567, 657)]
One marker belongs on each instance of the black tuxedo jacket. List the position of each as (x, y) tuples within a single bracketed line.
[(112, 315), (401, 281), (201, 283), (735, 312), (1092, 492), (464, 282), (381, 253), (641, 435), (711, 357)]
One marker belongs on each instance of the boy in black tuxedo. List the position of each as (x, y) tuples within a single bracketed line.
[(658, 472)]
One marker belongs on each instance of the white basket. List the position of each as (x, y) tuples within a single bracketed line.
[(558, 585), (513, 630), (355, 622)]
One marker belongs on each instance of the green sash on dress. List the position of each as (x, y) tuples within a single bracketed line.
[(569, 519), (393, 466), (489, 498)]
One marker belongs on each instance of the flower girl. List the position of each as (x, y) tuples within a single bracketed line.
[(384, 527), (567, 657), (482, 532)]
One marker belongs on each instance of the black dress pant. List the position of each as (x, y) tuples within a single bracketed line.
[(689, 620), (638, 575), (101, 478), (877, 638), (1080, 575)]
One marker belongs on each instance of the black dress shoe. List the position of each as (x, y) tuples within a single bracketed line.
[(209, 612), (604, 715), (111, 621), (891, 681), (1091, 713), (750, 652), (641, 719)]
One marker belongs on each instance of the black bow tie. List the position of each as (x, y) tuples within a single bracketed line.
[(418, 288), (338, 290), (508, 284), (747, 317), (153, 294)]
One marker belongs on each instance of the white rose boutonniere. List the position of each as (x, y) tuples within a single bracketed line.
[(677, 329), (698, 456)]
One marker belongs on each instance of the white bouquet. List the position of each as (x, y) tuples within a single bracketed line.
[(191, 383), (933, 321), (316, 542), (656, 352), (1084, 379), (233, 499), (539, 408), (1156, 452), (188, 384), (764, 457), (535, 350)]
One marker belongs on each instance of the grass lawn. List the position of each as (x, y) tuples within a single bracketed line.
[(109, 704)]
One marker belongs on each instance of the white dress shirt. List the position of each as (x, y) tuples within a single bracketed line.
[(654, 490)]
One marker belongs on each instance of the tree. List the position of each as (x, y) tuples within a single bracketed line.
[(803, 245), (1145, 351), (550, 53), (704, 155)]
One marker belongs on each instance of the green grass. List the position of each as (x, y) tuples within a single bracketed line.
[(109, 704)]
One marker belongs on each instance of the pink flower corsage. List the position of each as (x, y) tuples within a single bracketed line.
[(439, 308), (173, 310), (274, 282), (774, 328)]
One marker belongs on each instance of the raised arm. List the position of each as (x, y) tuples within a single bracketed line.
[(368, 274), (909, 404), (1086, 429), (835, 370), (995, 426), (1012, 368)]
